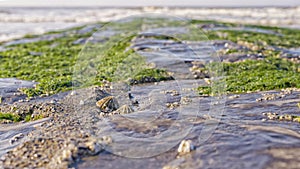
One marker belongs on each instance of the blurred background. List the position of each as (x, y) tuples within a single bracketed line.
[(19, 17)]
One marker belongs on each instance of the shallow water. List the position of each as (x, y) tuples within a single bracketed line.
[(11, 135)]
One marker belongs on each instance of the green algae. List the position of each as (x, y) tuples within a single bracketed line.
[(10, 116), (30, 118), (17, 118), (53, 65), (113, 61), (52, 69), (258, 75)]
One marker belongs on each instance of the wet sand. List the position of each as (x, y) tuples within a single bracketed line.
[(11, 135)]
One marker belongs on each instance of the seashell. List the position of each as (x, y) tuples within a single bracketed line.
[(107, 104), (125, 109)]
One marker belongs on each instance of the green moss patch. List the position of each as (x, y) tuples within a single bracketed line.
[(52, 68), (30, 118), (54, 64), (114, 61), (10, 117), (252, 75), (17, 118)]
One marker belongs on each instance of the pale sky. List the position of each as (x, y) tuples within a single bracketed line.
[(149, 3)]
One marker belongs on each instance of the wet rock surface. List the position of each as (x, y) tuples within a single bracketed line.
[(241, 139)]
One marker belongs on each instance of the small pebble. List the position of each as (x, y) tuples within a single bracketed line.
[(81, 102), (16, 138), (73, 93), (53, 101), (234, 96)]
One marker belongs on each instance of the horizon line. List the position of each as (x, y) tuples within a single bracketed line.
[(151, 6)]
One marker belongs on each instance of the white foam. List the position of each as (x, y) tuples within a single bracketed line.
[(17, 22)]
